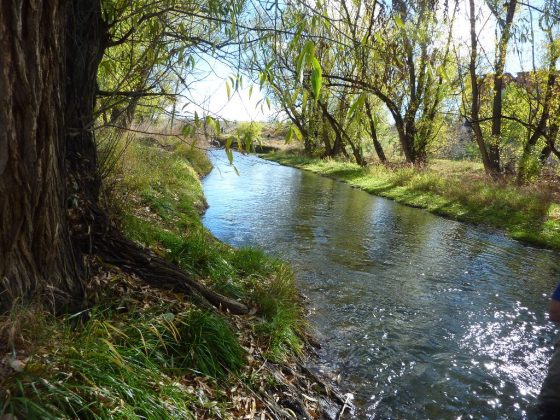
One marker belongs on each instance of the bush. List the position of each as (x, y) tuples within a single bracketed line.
[(249, 133)]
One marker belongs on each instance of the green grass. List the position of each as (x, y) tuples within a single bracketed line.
[(170, 222), (140, 353), (126, 366), (454, 189)]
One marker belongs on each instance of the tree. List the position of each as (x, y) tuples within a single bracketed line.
[(38, 256), (542, 96), (49, 177), (490, 148)]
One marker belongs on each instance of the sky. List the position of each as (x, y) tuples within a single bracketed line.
[(209, 96)]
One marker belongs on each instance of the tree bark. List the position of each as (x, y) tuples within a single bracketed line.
[(494, 147), (37, 258), (49, 180), (373, 130), (325, 137), (475, 97), (86, 35)]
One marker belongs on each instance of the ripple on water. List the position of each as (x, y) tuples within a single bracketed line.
[(420, 316)]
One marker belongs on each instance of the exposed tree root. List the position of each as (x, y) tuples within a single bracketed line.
[(113, 248)]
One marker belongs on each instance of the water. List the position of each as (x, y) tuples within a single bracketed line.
[(422, 317)]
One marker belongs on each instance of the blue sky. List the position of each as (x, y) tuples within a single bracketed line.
[(209, 96)]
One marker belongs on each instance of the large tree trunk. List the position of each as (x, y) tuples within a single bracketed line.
[(36, 255), (49, 180), (86, 42)]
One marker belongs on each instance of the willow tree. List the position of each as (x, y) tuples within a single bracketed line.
[(409, 58), (49, 179), (38, 255), (397, 55), (542, 95), (490, 145)]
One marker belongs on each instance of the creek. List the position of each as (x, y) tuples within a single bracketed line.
[(419, 316)]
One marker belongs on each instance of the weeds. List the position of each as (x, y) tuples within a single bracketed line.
[(143, 353), (126, 364)]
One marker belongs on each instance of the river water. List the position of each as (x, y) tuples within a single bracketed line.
[(422, 317)]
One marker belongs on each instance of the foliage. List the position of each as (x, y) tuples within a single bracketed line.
[(124, 365), (249, 133), (145, 353)]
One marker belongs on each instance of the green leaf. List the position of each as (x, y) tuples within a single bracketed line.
[(443, 74), (297, 133), (294, 96), (250, 91), (316, 78), (358, 103), (229, 154), (299, 67), (228, 89), (105, 66), (305, 58), (248, 142), (399, 22), (214, 123), (186, 130), (289, 135)]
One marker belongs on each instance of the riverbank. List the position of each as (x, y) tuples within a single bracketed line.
[(140, 351), (453, 189)]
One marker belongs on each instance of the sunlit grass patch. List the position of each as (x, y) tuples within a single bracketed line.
[(283, 320), (174, 230), (124, 365)]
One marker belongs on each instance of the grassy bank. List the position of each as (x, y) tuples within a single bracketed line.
[(458, 190), (137, 351)]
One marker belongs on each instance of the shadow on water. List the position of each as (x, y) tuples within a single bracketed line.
[(423, 317)]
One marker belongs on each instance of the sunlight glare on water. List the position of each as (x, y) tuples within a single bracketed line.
[(421, 317)]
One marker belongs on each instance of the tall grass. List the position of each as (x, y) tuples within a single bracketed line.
[(173, 227), (125, 365), (140, 355)]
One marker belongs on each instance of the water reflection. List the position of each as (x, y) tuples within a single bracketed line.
[(423, 317)]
